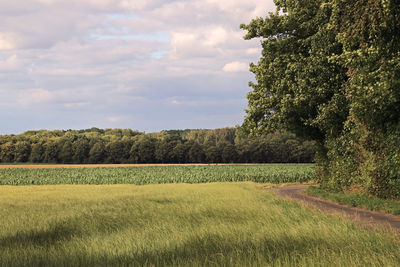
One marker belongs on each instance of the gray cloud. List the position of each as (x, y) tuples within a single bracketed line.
[(142, 64)]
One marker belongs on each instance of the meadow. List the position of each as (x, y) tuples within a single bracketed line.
[(225, 224), (263, 173)]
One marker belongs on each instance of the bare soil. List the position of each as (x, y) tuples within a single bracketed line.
[(363, 217)]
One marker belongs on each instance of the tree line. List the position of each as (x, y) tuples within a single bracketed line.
[(225, 145)]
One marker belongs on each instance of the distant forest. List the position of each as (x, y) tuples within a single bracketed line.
[(95, 145)]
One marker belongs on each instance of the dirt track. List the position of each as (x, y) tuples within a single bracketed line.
[(363, 217)]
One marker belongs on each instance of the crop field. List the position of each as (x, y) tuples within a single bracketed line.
[(122, 165), (265, 173), (225, 224), (204, 215)]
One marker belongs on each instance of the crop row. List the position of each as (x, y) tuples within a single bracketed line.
[(272, 173)]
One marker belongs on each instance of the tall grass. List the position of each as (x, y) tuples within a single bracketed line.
[(357, 200), (231, 224), (272, 173)]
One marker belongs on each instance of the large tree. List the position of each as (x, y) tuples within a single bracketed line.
[(297, 87), (330, 72), (369, 31)]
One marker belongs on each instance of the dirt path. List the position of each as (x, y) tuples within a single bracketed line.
[(363, 217)]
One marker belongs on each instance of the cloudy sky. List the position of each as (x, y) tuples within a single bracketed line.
[(142, 64)]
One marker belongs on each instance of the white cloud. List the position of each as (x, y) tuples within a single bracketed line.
[(76, 105), (253, 51), (115, 120), (216, 36), (34, 96), (182, 39), (120, 57), (7, 41), (12, 63), (236, 66), (175, 102), (187, 44)]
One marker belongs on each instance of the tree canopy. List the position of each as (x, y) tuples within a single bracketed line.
[(330, 72), (174, 146)]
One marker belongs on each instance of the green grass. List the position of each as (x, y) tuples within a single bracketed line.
[(225, 224), (357, 200), (272, 173)]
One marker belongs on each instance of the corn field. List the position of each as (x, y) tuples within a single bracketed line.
[(268, 173)]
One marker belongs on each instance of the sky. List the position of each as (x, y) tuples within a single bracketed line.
[(148, 65)]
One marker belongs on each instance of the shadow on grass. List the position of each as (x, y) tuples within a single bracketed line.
[(57, 233), (63, 231), (213, 249), (209, 249)]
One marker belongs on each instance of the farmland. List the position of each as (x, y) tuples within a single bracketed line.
[(235, 224), (266, 173), (190, 215)]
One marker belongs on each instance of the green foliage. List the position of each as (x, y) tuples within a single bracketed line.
[(7, 152), (369, 31), (163, 150), (270, 173), (196, 152), (174, 146), (330, 72), (228, 152), (66, 153), (297, 87), (97, 153), (50, 151), (22, 151), (143, 150), (80, 150), (118, 151), (212, 154), (36, 153), (357, 200)]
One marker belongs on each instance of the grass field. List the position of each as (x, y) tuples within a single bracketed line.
[(271, 173), (235, 224), (357, 200)]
